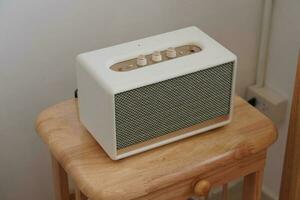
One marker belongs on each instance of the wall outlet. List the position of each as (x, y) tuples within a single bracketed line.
[(268, 101)]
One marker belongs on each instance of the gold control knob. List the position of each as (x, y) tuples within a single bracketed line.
[(202, 188), (141, 60), (156, 56), (171, 52)]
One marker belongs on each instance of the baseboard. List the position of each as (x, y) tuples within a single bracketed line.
[(269, 194)]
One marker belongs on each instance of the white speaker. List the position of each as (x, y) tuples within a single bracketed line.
[(150, 92)]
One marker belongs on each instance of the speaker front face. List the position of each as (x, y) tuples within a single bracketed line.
[(173, 107)]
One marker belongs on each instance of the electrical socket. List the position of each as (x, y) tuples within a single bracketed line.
[(269, 102)]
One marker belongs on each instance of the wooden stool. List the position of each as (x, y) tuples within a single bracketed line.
[(175, 171)]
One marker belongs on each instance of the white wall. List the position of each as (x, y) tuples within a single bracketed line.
[(38, 44), (282, 62)]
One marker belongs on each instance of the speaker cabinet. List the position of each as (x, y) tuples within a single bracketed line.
[(143, 94)]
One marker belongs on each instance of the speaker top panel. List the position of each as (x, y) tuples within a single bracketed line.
[(153, 59)]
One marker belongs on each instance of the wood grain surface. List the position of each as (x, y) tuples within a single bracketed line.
[(98, 177), (290, 182)]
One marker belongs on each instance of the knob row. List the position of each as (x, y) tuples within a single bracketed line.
[(156, 56)]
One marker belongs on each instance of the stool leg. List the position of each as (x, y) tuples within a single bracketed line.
[(60, 178), (225, 192), (79, 195), (252, 186)]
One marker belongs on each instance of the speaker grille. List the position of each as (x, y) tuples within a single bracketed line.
[(155, 110)]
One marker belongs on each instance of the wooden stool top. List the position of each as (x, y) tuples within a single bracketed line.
[(99, 177)]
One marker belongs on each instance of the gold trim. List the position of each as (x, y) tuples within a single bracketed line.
[(131, 64), (173, 134)]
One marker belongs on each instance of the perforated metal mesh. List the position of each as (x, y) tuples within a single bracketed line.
[(158, 109)]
